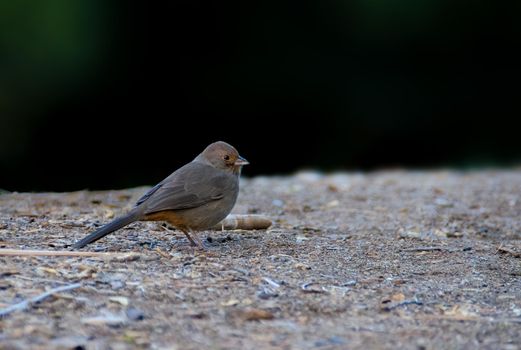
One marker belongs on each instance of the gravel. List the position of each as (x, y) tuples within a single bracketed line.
[(390, 259)]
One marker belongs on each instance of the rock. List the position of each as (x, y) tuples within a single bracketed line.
[(115, 285), (301, 238), (332, 204), (443, 202), (277, 203), (135, 314)]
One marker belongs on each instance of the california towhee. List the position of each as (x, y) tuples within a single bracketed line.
[(195, 197)]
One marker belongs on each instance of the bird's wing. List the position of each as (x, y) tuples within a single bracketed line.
[(175, 177), (189, 187), (149, 193)]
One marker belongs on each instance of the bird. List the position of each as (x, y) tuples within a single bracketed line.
[(195, 197)]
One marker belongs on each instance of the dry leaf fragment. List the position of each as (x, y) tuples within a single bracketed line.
[(46, 270), (398, 297), (119, 300), (256, 315), (302, 266)]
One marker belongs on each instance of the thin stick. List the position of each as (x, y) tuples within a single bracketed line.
[(23, 252), (26, 303), (244, 222), (41, 280), (467, 318), (423, 249), (405, 302)]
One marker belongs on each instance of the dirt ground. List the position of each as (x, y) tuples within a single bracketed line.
[(396, 259)]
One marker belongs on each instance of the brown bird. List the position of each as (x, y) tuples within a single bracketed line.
[(195, 197)]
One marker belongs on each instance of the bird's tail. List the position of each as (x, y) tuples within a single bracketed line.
[(108, 228)]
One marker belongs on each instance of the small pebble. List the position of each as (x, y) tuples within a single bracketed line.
[(115, 285), (266, 294), (333, 203), (277, 203), (135, 314), (410, 234), (443, 202)]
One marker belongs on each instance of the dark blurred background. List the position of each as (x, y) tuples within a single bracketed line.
[(103, 94)]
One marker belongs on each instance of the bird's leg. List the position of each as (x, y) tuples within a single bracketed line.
[(192, 242), (186, 232), (195, 241)]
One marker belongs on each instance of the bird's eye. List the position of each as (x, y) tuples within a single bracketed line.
[(226, 157)]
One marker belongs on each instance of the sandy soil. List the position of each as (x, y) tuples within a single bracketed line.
[(412, 260)]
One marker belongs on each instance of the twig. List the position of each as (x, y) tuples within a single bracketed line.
[(40, 280), (23, 252), (26, 303), (306, 288), (162, 253), (403, 303), (271, 282), (424, 249), (244, 222), (507, 250), (467, 318)]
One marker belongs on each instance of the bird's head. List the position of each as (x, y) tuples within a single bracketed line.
[(222, 156)]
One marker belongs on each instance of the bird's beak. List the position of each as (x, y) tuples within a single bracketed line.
[(241, 161)]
